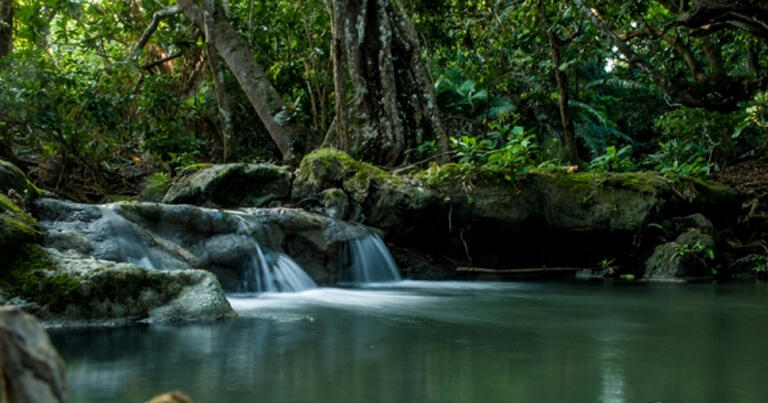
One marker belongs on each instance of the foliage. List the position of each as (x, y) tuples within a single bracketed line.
[(614, 160), (79, 106), (505, 148), (698, 251)]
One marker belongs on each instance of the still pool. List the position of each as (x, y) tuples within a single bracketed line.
[(445, 342)]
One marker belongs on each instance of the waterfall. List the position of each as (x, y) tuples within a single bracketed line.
[(273, 272), (224, 242), (371, 262)]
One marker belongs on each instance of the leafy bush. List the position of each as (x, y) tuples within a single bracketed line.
[(506, 147), (457, 95), (676, 158), (614, 160)]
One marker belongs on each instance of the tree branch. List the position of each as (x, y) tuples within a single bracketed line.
[(150, 30), (161, 61)]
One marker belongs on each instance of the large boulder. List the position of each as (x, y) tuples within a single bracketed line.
[(73, 290), (231, 185), (32, 370)]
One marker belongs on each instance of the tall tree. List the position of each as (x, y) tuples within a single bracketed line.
[(262, 95), (6, 27), (393, 105)]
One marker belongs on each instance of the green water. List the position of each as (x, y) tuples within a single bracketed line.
[(446, 342)]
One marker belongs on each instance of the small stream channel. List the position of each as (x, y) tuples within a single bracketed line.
[(444, 342)]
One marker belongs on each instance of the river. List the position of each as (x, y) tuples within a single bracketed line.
[(415, 341)]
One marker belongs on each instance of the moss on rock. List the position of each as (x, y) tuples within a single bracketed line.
[(16, 226), (383, 200), (231, 185), (66, 289), (11, 178)]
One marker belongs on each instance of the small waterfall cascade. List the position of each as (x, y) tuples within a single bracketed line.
[(270, 271), (126, 242), (237, 246), (370, 262), (273, 272)]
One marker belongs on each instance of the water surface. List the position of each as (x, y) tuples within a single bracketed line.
[(445, 342)]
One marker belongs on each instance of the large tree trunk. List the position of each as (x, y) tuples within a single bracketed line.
[(6, 27), (393, 107), (262, 95)]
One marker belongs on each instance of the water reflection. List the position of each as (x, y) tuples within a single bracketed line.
[(444, 342)]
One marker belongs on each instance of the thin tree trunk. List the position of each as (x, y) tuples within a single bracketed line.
[(561, 78), (394, 106), (6, 27), (225, 111), (260, 92)]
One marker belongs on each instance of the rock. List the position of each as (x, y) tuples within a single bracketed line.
[(694, 222), (695, 238), (505, 220), (378, 199), (13, 181), (68, 290), (32, 370), (750, 267), (688, 257), (231, 185), (16, 227), (171, 397), (335, 203), (183, 237)]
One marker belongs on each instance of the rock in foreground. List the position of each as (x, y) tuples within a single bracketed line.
[(32, 370)]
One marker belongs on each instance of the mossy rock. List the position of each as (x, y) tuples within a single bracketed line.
[(688, 256), (11, 178), (383, 200), (231, 185), (73, 290), (16, 226), (327, 168)]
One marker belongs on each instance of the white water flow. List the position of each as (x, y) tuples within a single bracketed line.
[(273, 272), (261, 271), (371, 262), (270, 271)]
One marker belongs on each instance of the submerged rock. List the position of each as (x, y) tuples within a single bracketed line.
[(171, 397), (231, 185), (31, 368)]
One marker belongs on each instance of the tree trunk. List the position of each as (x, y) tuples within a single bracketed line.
[(561, 78), (225, 111), (262, 95), (6, 27), (394, 106)]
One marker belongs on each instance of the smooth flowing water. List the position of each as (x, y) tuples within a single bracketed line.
[(445, 342)]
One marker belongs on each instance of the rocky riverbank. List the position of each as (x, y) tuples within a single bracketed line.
[(86, 264)]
